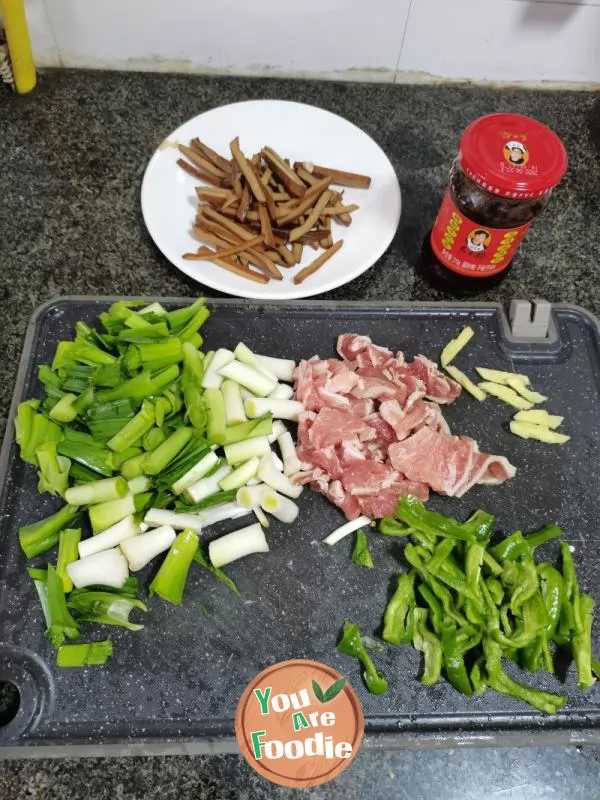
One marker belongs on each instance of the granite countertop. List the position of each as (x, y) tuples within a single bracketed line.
[(72, 158)]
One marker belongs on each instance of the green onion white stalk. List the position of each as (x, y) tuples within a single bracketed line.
[(345, 530), (139, 484), (109, 538), (282, 392), (238, 544), (234, 405), (219, 513), (157, 517), (280, 409), (140, 550), (269, 474), (198, 471), (206, 486), (212, 378), (241, 475), (97, 492), (291, 462), (238, 452), (108, 568), (248, 377), (277, 429), (246, 356), (279, 506), (261, 516), (282, 368), (250, 496)]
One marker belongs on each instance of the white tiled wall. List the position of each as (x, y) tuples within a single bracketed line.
[(380, 40)]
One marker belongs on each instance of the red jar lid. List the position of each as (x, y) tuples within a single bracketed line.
[(512, 156)]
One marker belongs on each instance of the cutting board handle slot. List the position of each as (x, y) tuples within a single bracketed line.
[(26, 692)]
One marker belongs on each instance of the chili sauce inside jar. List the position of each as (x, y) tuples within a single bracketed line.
[(502, 178)]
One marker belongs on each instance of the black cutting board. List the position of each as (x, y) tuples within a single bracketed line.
[(173, 687)]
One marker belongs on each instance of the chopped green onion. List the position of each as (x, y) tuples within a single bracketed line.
[(97, 492), (248, 430), (106, 608), (162, 517), (53, 474), (134, 429), (170, 579), (244, 473), (109, 538), (82, 655), (108, 568), (238, 544), (61, 622), (158, 460), (63, 411), (249, 378), (103, 515), (242, 451), (215, 410), (140, 550), (199, 470), (68, 551), (40, 536)]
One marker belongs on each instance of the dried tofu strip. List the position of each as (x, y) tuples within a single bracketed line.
[(531, 397), (539, 416), (211, 155), (227, 252), (506, 394), (314, 215), (198, 174), (202, 162), (238, 269), (497, 376), (247, 170), (317, 263), (339, 176), (529, 430), (454, 346), (284, 172), (466, 383)]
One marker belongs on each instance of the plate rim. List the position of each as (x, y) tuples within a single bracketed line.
[(257, 294)]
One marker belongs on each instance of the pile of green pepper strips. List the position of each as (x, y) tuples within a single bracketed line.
[(467, 604)]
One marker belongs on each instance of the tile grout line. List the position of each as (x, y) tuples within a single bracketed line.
[(402, 41), (58, 53)]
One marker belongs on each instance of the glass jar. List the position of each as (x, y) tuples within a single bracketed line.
[(501, 180)]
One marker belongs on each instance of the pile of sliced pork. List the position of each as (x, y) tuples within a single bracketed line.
[(373, 430)]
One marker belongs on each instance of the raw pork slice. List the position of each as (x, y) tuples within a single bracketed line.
[(384, 503), (447, 463), (373, 430), (332, 427), (367, 477)]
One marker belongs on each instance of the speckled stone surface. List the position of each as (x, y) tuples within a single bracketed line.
[(72, 157)]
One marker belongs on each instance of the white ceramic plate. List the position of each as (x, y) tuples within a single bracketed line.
[(298, 132)]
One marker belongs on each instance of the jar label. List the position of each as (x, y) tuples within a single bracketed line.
[(471, 249)]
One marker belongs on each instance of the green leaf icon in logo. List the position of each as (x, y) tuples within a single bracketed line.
[(331, 693), (318, 692)]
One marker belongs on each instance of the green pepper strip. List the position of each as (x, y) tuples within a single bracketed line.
[(398, 617), (526, 587), (582, 641), (351, 645), (435, 608), (414, 559), (440, 554), (413, 513), (512, 547), (499, 680), (478, 678), (429, 644), (544, 535), (454, 664)]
